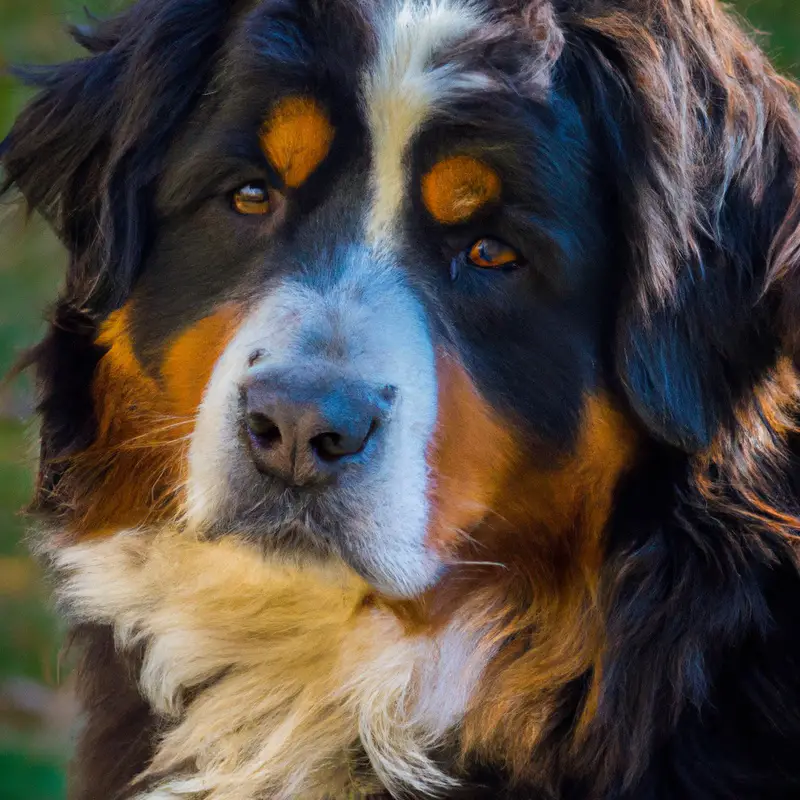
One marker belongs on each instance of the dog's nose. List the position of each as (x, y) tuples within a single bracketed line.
[(306, 428)]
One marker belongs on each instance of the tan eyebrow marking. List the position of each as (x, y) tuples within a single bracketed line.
[(296, 138), (456, 187)]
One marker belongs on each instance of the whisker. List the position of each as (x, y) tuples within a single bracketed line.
[(151, 445), (154, 431)]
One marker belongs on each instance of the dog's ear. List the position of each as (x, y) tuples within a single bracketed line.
[(84, 153), (702, 145)]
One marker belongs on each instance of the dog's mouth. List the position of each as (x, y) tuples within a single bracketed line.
[(324, 524), (282, 516)]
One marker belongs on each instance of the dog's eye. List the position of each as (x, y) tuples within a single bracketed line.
[(493, 254), (251, 199)]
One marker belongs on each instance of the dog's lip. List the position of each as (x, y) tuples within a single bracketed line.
[(295, 534)]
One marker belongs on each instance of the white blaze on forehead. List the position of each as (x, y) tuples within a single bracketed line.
[(402, 88)]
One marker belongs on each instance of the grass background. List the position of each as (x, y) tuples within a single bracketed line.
[(36, 708)]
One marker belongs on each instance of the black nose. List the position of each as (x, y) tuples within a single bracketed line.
[(305, 427)]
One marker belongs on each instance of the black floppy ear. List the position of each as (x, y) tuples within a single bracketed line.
[(84, 153), (702, 146)]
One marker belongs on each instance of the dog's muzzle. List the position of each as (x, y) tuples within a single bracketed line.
[(315, 427)]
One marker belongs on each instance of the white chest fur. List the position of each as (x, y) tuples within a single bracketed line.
[(291, 675)]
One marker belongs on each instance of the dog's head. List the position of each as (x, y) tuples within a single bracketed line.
[(408, 283)]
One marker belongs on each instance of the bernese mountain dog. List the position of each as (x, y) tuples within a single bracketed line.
[(419, 415)]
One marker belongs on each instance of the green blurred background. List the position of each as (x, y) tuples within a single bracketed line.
[(36, 709)]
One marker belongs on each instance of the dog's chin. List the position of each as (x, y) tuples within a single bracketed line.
[(310, 532)]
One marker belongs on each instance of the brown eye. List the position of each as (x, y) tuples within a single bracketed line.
[(493, 254), (251, 199)]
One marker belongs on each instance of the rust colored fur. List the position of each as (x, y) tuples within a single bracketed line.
[(133, 471), (530, 568)]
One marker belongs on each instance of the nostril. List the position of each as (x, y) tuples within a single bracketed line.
[(330, 446), (263, 429), (333, 446)]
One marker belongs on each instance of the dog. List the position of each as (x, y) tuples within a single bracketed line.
[(419, 413)]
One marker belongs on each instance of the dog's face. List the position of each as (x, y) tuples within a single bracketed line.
[(494, 301), (400, 282), (379, 259)]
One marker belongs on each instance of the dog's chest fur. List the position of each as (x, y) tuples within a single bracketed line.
[(273, 680)]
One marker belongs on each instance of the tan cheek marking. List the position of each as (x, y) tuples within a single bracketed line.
[(191, 357), (296, 139), (123, 392), (457, 187), (483, 471), (528, 525), (120, 362), (471, 453), (133, 471), (549, 533), (128, 475)]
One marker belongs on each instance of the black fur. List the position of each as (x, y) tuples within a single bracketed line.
[(118, 730)]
